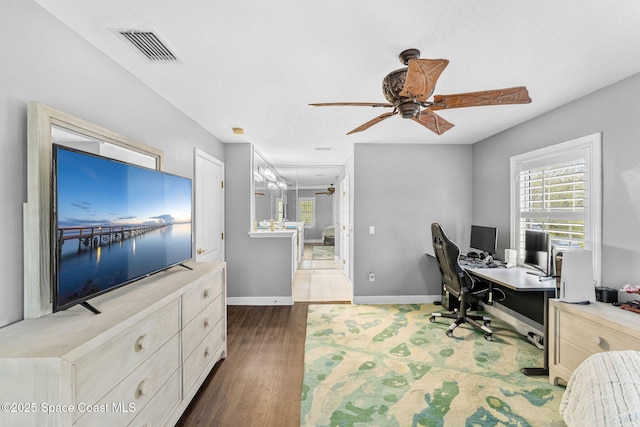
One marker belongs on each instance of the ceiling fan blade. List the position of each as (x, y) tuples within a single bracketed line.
[(422, 75), (433, 122), (372, 122), (352, 104), (513, 95)]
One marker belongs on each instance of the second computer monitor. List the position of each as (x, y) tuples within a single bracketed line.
[(537, 250), (484, 239)]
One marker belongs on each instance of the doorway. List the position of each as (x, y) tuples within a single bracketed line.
[(320, 275), (319, 279)]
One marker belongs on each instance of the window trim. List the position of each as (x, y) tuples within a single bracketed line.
[(592, 146)]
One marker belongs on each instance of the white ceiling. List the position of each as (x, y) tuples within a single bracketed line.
[(257, 64)]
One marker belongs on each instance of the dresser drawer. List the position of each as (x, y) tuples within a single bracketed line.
[(200, 326), (99, 371), (591, 336), (123, 402), (194, 301), (163, 404), (569, 356), (204, 352)]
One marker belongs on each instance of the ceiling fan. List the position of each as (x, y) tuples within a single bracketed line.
[(408, 90), (329, 192)]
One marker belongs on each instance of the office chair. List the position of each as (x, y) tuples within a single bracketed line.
[(457, 281)]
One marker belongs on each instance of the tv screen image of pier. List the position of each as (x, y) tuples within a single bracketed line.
[(115, 223)]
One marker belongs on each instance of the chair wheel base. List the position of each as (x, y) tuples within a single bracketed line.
[(450, 333), (432, 319), (489, 337)]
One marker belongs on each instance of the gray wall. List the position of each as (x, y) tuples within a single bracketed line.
[(257, 268), (614, 111), (53, 65), (401, 189)]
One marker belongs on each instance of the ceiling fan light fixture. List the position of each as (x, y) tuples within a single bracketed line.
[(409, 109), (267, 172)]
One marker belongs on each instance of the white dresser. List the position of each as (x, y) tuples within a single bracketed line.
[(578, 331), (139, 362)]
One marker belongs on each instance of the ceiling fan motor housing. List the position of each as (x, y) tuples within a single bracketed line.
[(392, 85)]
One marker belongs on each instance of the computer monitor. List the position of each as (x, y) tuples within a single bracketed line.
[(484, 239), (537, 251)]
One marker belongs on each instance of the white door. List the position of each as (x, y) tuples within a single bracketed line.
[(345, 225), (209, 208)]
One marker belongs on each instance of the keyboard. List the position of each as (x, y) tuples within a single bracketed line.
[(467, 262)]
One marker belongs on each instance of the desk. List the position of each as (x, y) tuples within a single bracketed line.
[(518, 279)]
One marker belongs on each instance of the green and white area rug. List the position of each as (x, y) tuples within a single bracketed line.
[(388, 365), (323, 252)]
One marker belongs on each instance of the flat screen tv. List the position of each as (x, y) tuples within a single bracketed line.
[(113, 223), (537, 251)]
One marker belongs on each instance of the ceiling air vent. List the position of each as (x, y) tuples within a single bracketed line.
[(149, 45)]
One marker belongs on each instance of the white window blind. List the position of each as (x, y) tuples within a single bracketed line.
[(558, 189)]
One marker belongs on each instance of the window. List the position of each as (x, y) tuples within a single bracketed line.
[(307, 212), (558, 189), (280, 208)]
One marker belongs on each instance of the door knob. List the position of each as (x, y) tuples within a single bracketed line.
[(201, 251)]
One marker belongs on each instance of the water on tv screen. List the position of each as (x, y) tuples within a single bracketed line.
[(114, 223)]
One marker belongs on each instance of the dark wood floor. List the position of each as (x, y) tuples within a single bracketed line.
[(260, 381)]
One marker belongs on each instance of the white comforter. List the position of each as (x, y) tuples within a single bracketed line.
[(604, 391)]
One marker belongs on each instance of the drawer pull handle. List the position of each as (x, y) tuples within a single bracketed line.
[(594, 339), (144, 388), (143, 342), (206, 352), (206, 322), (205, 294)]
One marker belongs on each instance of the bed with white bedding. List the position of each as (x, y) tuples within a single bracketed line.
[(328, 236), (604, 391)]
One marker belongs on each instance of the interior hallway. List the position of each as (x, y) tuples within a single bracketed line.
[(319, 280)]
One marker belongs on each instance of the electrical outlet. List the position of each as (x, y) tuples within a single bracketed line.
[(372, 277)]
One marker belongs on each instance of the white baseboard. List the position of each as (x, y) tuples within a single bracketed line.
[(396, 299), (259, 300)]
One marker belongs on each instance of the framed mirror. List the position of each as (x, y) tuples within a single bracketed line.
[(45, 122), (270, 195)]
